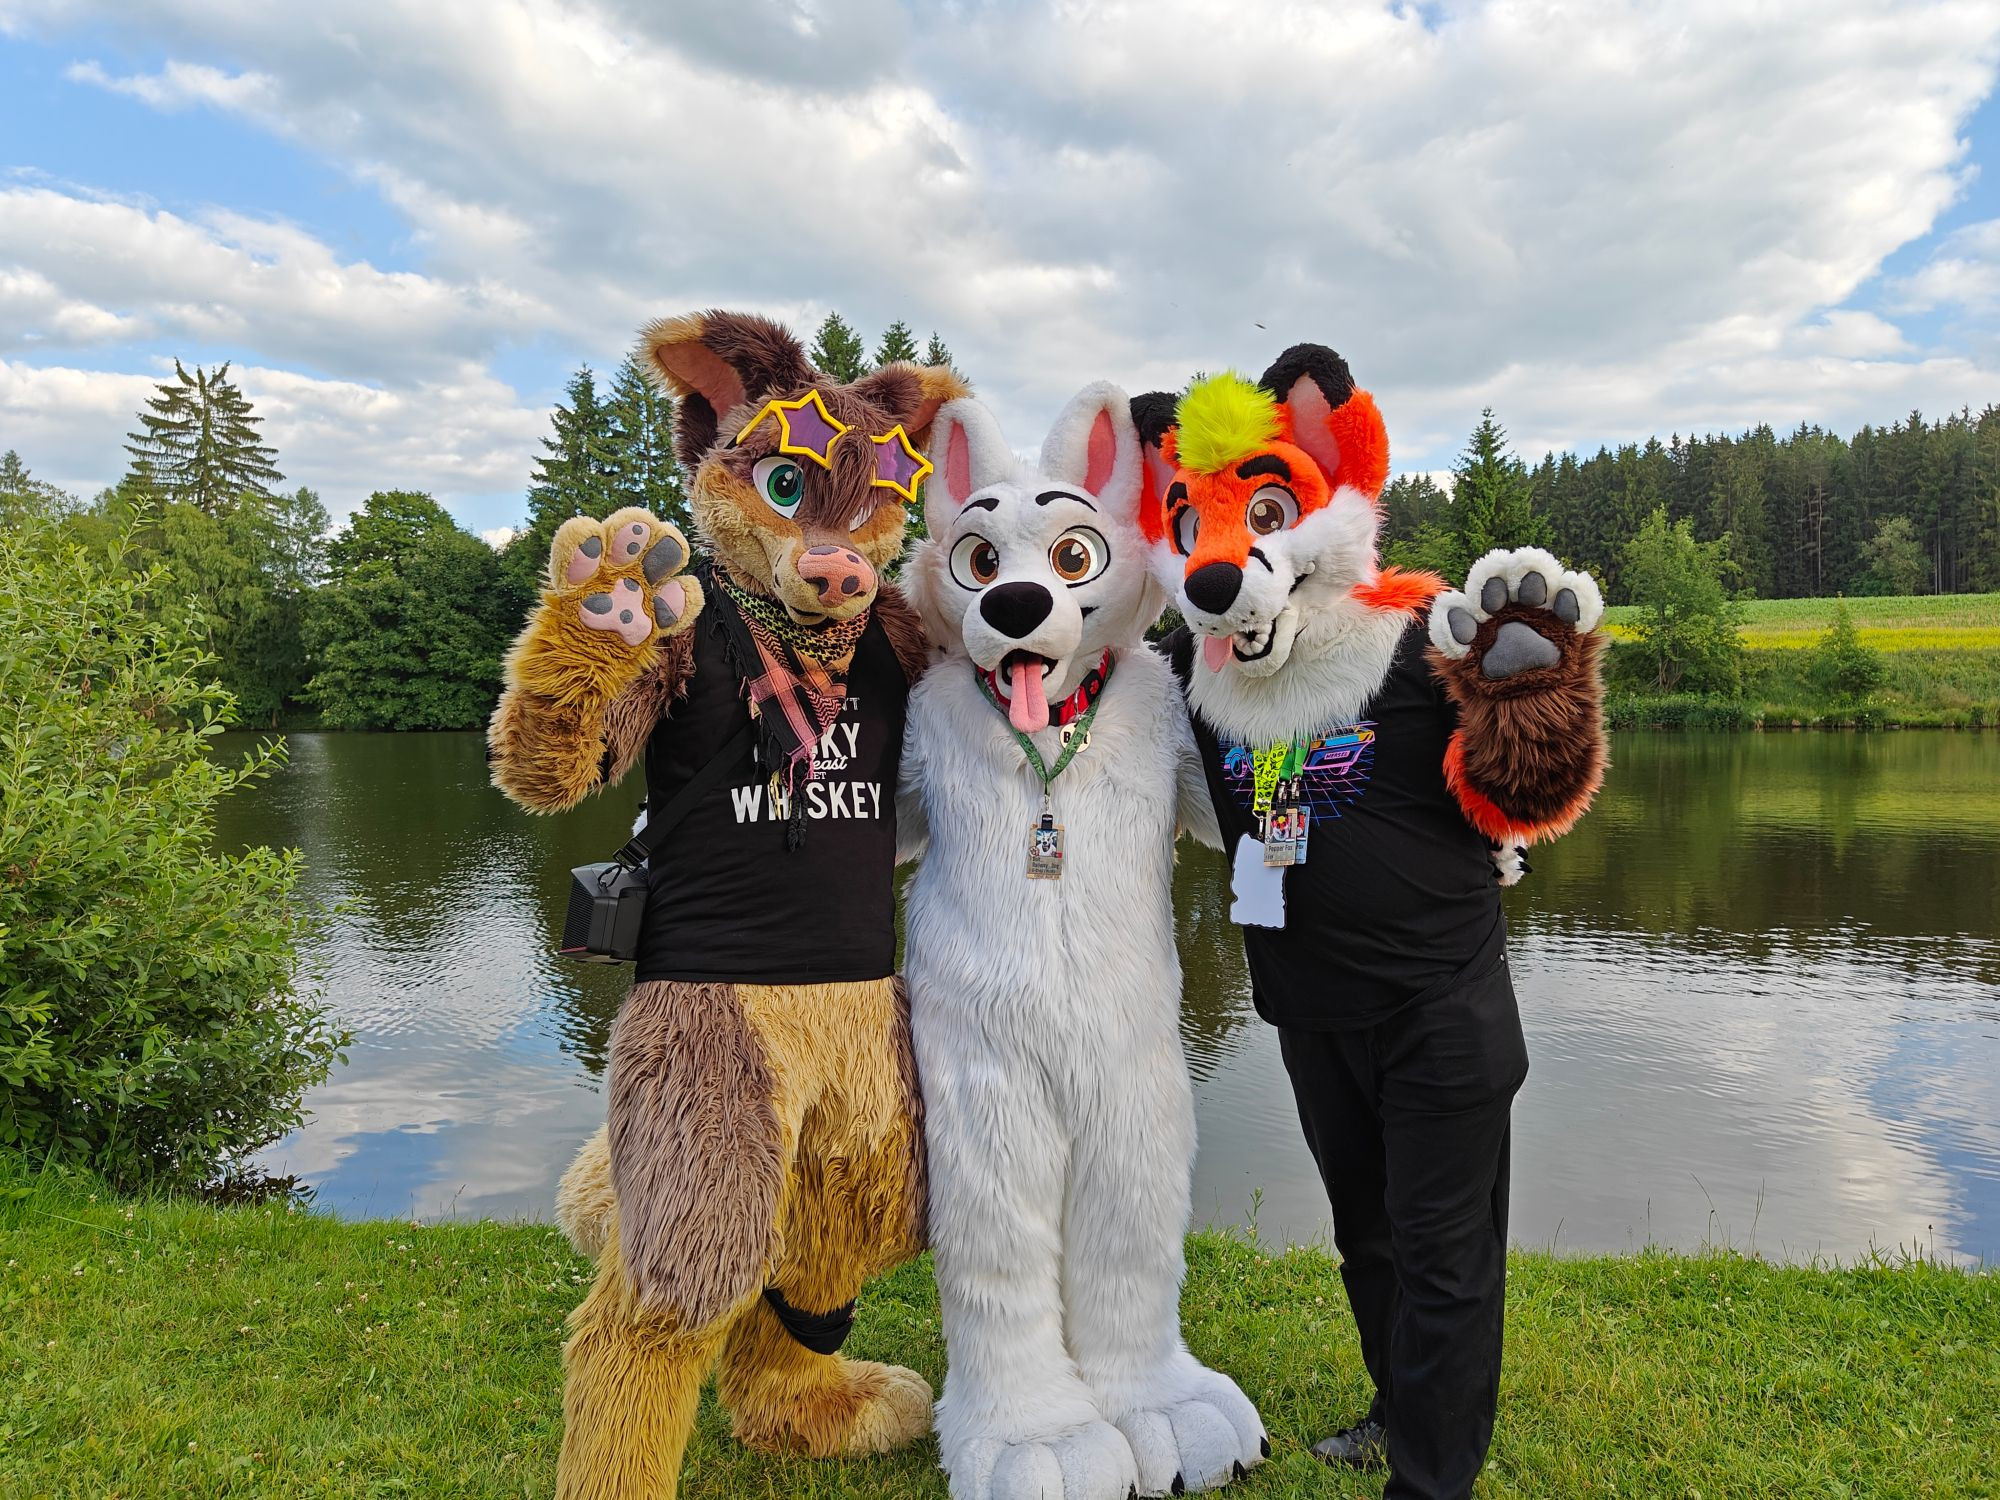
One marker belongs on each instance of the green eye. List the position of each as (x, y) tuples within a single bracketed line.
[(781, 482)]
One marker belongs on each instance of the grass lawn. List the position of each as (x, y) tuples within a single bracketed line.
[(1938, 622), (169, 1348)]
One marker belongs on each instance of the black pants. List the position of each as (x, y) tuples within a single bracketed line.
[(1408, 1121)]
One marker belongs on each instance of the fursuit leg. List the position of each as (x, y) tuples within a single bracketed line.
[(1016, 1421), (632, 1382), (1190, 1427), (855, 1207)]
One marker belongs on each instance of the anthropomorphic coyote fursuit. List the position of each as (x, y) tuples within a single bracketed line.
[(1049, 763), (1379, 753), (763, 1154)]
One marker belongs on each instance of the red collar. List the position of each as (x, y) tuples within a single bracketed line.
[(1071, 707)]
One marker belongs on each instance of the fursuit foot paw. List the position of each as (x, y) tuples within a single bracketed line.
[(895, 1413), (1090, 1462), (1209, 1436), (1518, 618)]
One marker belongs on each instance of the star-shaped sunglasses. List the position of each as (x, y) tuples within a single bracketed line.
[(806, 429)]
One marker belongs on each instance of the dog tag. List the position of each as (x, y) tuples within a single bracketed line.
[(1045, 841), (1076, 731)]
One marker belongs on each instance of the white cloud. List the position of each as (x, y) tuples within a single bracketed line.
[(1605, 221), (463, 434), (1963, 274)]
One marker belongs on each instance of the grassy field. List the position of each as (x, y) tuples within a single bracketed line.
[(1940, 622), (169, 1348)]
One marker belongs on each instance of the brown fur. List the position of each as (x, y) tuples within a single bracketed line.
[(1531, 745), (841, 1110), (905, 629), (696, 1153)]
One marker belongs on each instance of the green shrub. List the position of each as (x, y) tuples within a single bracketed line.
[(150, 1021), (1841, 667)]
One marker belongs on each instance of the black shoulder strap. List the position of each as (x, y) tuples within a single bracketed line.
[(646, 842)]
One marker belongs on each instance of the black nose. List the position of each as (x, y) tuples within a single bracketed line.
[(1014, 609), (1214, 587)]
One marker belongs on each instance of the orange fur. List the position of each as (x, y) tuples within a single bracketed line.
[(1399, 590), (1479, 811)]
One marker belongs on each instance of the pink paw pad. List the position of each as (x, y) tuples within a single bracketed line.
[(622, 610), (583, 561), (670, 601)]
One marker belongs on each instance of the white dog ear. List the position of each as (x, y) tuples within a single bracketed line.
[(1095, 444), (967, 453)]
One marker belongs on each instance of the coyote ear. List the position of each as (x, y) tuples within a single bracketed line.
[(913, 393), (1330, 417), (1153, 417), (968, 453), (715, 363), (1094, 444)]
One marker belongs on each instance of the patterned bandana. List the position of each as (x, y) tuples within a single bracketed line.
[(1071, 707), (795, 677)]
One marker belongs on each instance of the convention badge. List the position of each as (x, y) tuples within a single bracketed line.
[(1045, 852), (1279, 848), (1259, 890), (1301, 830)]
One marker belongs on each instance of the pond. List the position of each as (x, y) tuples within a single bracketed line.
[(1761, 986)]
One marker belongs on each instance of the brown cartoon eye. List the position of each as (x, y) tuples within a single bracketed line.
[(1079, 555), (975, 562), (1272, 508)]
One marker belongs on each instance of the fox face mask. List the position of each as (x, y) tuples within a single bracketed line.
[(1262, 501)]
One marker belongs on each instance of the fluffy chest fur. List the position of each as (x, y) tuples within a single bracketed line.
[(981, 934), (1343, 652)]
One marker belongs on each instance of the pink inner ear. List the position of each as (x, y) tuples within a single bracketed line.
[(1103, 453), (958, 464), (1309, 413)]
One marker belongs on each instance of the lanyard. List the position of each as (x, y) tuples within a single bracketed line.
[(1079, 731), (1271, 765)]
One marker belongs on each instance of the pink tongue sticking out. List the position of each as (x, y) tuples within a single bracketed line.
[(1215, 650), (1028, 705)]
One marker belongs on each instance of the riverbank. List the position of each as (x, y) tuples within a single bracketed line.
[(1940, 656), (158, 1347)]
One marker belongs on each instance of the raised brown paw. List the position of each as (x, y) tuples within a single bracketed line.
[(621, 575), (1518, 614)]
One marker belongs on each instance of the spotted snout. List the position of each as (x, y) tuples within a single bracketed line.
[(839, 575)]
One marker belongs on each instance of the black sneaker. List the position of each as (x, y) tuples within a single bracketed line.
[(1365, 1445)]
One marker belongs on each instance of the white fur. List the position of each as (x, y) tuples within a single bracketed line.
[(1511, 567), (1059, 1116)]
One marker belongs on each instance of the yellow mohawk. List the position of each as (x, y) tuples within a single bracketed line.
[(1222, 420)]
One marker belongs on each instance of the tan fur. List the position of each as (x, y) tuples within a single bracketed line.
[(584, 1201), (842, 1100), (564, 681)]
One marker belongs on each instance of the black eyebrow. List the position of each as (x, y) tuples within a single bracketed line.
[(984, 502), (1047, 495), (1176, 492), (1265, 463)]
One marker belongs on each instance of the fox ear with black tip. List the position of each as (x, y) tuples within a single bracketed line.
[(716, 364), (1330, 417), (1153, 417)]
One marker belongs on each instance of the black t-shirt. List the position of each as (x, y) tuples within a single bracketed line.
[(727, 900), (1398, 893)]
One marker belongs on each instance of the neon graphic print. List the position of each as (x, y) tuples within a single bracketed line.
[(1335, 773)]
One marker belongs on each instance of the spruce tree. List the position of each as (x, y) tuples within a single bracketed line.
[(643, 470), (838, 352), (1492, 498), (574, 476), (198, 439), (898, 343), (936, 354)]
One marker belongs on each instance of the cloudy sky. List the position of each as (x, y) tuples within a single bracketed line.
[(407, 223)]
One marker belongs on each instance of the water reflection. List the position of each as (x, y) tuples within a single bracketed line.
[(1761, 985)]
